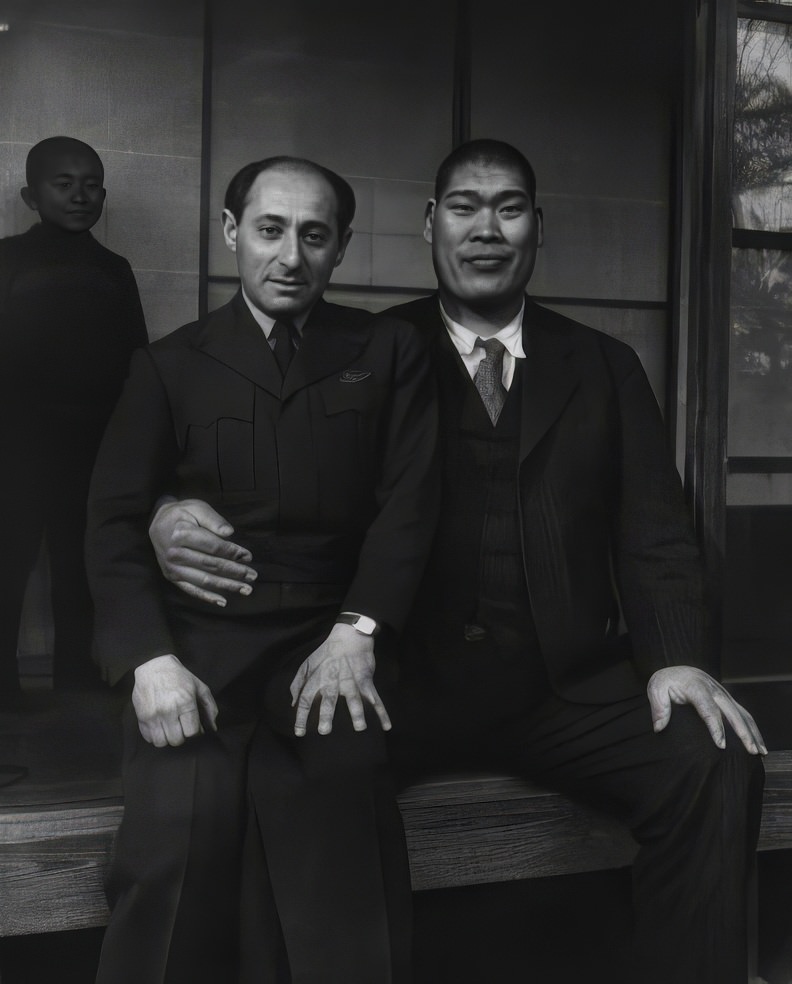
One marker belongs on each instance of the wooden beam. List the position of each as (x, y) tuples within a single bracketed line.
[(460, 125), (706, 278), (206, 163)]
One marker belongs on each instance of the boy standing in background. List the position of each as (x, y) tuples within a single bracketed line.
[(70, 318)]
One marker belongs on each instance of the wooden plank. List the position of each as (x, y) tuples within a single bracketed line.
[(19, 826), (57, 827), (471, 832), (53, 862), (776, 831), (54, 885)]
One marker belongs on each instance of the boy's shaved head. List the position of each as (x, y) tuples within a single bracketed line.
[(41, 157)]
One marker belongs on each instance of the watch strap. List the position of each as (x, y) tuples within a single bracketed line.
[(362, 623)]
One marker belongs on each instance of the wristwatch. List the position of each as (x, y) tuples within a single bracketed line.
[(361, 623)]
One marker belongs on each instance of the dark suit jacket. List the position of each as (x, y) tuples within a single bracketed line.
[(328, 477), (600, 504)]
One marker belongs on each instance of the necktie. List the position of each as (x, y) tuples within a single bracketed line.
[(489, 376), (286, 339)]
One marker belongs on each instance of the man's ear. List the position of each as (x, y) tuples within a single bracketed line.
[(229, 229), (342, 248), (28, 199), (539, 226), (429, 214)]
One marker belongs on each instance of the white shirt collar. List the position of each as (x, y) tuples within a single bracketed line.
[(510, 336)]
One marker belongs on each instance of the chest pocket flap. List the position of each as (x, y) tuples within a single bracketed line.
[(353, 389)]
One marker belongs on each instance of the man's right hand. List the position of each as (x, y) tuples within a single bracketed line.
[(193, 551), (171, 703)]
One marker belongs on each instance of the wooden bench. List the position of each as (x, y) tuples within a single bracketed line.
[(57, 824)]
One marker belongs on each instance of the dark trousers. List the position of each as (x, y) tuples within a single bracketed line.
[(693, 809), (46, 496), (340, 883), (316, 900)]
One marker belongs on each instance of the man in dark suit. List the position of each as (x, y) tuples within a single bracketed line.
[(562, 516), (313, 428)]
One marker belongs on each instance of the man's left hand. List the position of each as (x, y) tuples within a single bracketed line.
[(342, 665), (689, 685)]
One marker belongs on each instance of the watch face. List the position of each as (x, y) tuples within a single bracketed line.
[(366, 625), (362, 623)]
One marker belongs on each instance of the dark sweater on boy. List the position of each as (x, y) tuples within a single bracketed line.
[(70, 318)]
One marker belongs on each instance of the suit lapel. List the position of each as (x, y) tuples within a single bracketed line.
[(329, 344), (551, 373), (460, 401), (232, 336), (462, 397), (550, 376)]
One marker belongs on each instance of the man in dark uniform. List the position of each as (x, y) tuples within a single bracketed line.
[(70, 318), (561, 515), (313, 428)]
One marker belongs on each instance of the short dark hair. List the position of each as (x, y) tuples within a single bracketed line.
[(485, 152), (240, 185), (40, 154)]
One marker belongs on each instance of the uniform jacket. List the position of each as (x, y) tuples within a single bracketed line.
[(328, 476), (603, 523)]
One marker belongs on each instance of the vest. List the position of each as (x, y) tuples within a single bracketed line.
[(475, 587)]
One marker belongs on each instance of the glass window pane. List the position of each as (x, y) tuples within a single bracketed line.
[(762, 196), (760, 390)]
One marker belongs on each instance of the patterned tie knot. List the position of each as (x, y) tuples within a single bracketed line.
[(490, 345), (286, 339), (489, 376), (494, 349)]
